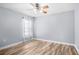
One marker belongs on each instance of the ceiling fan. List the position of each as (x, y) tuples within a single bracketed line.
[(40, 7)]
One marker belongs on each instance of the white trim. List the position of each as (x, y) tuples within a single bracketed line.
[(41, 40), (56, 42), (60, 43), (76, 48), (10, 45)]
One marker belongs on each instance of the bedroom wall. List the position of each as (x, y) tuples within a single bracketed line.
[(11, 29), (57, 27), (77, 25)]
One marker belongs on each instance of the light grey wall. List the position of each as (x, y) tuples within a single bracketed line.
[(77, 25), (11, 29), (57, 27)]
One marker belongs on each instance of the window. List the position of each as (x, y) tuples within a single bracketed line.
[(27, 28)]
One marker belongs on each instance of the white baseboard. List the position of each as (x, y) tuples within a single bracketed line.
[(11, 45), (55, 41), (76, 48), (41, 40), (60, 43)]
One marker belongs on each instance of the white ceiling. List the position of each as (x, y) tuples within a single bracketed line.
[(27, 9)]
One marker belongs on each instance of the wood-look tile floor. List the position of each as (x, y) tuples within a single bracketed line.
[(38, 47)]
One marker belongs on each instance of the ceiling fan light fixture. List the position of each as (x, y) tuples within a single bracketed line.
[(43, 8)]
